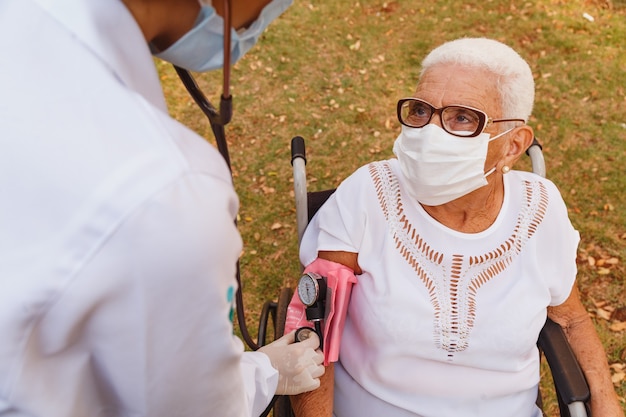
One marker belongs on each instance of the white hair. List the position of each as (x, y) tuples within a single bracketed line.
[(515, 79)]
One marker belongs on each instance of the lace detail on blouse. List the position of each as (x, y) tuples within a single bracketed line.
[(453, 280)]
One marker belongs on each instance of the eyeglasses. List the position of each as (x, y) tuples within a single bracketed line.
[(457, 120)]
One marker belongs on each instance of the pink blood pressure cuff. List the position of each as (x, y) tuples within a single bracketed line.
[(339, 281)]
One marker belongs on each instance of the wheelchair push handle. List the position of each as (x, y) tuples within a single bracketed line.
[(298, 162), (297, 149), (536, 158)]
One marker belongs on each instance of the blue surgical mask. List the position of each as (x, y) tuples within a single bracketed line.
[(202, 48)]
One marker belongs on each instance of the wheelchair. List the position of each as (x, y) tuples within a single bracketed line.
[(571, 387)]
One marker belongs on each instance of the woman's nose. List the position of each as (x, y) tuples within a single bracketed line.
[(436, 119)]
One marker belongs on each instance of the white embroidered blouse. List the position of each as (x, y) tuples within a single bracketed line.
[(442, 322)]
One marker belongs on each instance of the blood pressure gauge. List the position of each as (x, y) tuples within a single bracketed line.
[(311, 288), (312, 293)]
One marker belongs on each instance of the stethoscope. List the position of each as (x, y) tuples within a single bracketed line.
[(218, 120)]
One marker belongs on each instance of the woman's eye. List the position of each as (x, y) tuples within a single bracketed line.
[(420, 111), (462, 116)]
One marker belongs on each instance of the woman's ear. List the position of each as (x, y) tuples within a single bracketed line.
[(520, 140)]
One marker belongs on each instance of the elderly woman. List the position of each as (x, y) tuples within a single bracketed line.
[(459, 258)]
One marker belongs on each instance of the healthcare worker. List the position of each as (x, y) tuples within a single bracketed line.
[(118, 246)]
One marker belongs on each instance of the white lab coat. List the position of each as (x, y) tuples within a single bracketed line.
[(117, 236)]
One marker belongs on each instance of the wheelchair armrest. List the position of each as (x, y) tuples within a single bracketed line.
[(569, 380)]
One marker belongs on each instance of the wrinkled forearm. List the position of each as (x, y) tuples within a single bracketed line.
[(591, 356), (317, 403)]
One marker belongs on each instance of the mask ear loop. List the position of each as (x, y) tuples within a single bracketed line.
[(218, 120), (498, 136)]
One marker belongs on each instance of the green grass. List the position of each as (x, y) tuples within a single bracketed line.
[(332, 71)]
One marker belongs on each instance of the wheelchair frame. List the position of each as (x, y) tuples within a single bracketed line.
[(571, 387)]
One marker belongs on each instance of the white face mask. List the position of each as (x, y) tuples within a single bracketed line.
[(440, 167)]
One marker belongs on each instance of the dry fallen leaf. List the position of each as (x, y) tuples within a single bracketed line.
[(619, 314), (618, 377), (268, 190), (618, 371), (278, 255), (617, 367), (618, 326), (603, 314)]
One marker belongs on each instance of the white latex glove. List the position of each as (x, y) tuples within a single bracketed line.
[(299, 365)]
